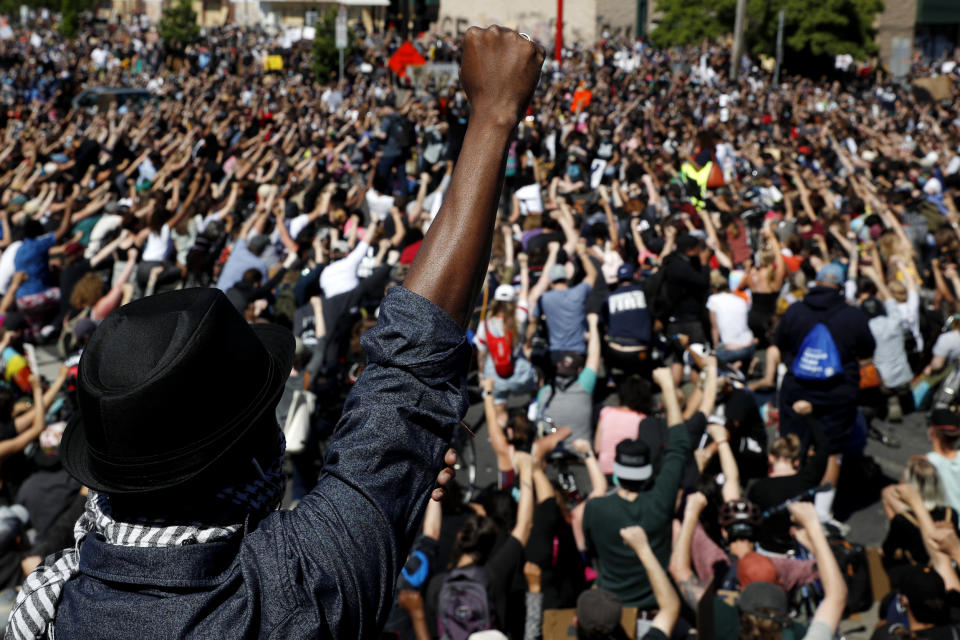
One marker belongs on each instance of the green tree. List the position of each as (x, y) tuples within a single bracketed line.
[(178, 25), (812, 29), (691, 21), (69, 20), (326, 59)]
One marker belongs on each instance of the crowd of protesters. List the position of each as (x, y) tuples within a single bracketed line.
[(682, 262)]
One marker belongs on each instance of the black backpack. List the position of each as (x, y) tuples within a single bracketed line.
[(463, 606), (405, 132), (852, 558)]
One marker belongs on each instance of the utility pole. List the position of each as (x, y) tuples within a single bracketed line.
[(558, 41), (738, 28), (340, 37), (776, 71)]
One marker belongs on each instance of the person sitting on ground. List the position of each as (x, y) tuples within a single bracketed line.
[(643, 499), (476, 557), (619, 423), (500, 345), (904, 547), (629, 325), (762, 604), (568, 399), (792, 473), (505, 440), (563, 308), (944, 434), (731, 335)]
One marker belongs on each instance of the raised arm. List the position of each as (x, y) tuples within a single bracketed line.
[(709, 387), (387, 454), (590, 270), (593, 342), (25, 420), (598, 481), (728, 463), (499, 72), (521, 530), (20, 441), (668, 602), (543, 283), (680, 560), (830, 609), (64, 227), (671, 404), (612, 228), (501, 448)]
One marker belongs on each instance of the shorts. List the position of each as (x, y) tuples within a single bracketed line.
[(523, 380)]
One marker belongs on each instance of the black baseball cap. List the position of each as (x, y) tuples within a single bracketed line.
[(926, 595), (945, 421)]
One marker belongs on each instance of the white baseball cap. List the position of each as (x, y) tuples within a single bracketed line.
[(505, 293)]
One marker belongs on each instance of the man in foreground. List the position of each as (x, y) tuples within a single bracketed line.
[(179, 445)]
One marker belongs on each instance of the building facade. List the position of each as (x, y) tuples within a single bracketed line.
[(584, 21), (928, 27)]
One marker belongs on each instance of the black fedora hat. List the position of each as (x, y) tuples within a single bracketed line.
[(167, 385)]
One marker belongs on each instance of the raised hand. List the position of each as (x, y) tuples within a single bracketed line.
[(499, 72)]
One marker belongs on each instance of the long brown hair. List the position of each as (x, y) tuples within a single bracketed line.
[(758, 628), (87, 291), (508, 311)]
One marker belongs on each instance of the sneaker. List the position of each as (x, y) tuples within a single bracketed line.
[(894, 411)]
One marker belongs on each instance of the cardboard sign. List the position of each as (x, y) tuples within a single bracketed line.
[(558, 623)]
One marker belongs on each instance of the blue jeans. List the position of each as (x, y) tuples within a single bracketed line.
[(726, 356)]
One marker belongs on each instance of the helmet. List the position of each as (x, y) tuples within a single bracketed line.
[(739, 517)]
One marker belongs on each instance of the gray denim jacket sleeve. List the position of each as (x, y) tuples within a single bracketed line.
[(343, 546)]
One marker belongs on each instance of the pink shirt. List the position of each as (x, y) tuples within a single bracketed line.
[(706, 553), (616, 424)]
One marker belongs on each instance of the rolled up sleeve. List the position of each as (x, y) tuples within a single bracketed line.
[(352, 533)]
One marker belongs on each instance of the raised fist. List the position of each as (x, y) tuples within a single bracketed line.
[(499, 72)]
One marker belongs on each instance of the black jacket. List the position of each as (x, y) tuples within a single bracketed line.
[(689, 284), (850, 332)]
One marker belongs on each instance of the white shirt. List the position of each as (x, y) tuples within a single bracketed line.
[(107, 223), (379, 205), (158, 245), (341, 276), (889, 356), (7, 266), (910, 316), (731, 316), (298, 224), (947, 347)]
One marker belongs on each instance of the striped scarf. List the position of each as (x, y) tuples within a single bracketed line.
[(35, 609)]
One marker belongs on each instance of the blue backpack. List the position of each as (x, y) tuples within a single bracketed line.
[(818, 357)]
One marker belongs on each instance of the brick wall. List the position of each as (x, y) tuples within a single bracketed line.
[(896, 21)]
